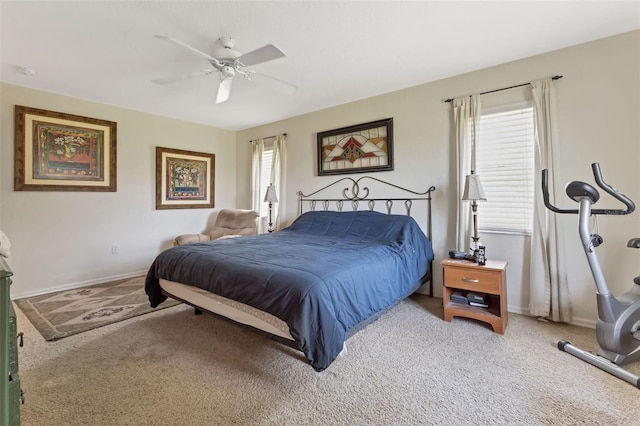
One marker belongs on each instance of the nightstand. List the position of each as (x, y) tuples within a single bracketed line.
[(489, 279)]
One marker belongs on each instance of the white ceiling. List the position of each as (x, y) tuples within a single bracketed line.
[(337, 51)]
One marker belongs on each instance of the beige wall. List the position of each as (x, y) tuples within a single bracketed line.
[(598, 121), (63, 239)]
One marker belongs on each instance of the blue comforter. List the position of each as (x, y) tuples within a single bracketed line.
[(323, 275)]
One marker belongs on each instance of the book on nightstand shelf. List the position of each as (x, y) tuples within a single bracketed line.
[(477, 299), (459, 297)]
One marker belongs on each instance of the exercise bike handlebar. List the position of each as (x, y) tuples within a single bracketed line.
[(545, 195), (629, 205), (597, 174)]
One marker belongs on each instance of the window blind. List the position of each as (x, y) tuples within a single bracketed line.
[(505, 164)]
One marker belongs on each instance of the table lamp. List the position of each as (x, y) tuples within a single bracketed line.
[(473, 192), (270, 197)]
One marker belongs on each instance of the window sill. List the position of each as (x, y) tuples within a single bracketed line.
[(504, 232)]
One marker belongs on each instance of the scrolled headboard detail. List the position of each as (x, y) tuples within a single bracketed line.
[(356, 193)]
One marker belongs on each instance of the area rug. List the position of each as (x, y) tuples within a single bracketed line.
[(65, 313)]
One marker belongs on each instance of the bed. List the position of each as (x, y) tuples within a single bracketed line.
[(314, 283)]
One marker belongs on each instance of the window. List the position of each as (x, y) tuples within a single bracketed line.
[(265, 178), (505, 164)]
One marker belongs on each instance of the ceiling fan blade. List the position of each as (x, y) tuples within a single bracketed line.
[(263, 54), (189, 48), (274, 83), (176, 78), (224, 90)]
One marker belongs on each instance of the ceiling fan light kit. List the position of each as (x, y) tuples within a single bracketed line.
[(227, 62), (227, 71)]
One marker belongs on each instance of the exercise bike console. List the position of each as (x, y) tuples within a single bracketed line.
[(618, 324)]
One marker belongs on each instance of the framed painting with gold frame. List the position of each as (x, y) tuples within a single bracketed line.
[(366, 147), (55, 151), (184, 179)]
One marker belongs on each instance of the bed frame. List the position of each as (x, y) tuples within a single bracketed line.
[(351, 196)]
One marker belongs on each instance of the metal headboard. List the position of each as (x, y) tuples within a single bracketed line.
[(357, 193)]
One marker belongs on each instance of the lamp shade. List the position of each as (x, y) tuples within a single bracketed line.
[(473, 189), (270, 196)]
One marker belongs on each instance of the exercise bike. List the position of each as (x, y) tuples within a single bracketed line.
[(618, 324)]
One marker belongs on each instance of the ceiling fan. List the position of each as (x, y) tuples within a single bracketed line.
[(228, 62)]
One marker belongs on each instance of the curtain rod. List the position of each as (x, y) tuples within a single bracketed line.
[(268, 137), (555, 77)]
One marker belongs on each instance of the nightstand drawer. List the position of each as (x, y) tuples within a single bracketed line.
[(484, 281)]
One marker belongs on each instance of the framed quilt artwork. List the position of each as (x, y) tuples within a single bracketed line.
[(55, 151), (184, 179), (366, 147)]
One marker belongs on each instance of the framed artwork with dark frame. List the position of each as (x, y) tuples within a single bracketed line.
[(55, 151), (184, 179), (366, 147)]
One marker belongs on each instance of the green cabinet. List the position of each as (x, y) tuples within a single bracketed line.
[(10, 397)]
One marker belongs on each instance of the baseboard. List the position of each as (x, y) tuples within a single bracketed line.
[(425, 290), (78, 285), (583, 322), (580, 322)]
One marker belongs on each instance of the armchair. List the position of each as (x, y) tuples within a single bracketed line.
[(229, 223)]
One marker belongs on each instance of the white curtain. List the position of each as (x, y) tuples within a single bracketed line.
[(549, 294), (466, 117), (277, 175), (257, 199)]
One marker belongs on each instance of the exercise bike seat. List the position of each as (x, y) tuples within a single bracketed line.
[(634, 243), (577, 191)]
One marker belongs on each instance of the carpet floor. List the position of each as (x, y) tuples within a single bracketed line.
[(65, 313), (409, 367)]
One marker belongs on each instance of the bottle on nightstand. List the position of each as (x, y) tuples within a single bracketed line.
[(482, 257)]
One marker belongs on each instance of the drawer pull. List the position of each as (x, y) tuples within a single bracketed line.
[(470, 280)]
